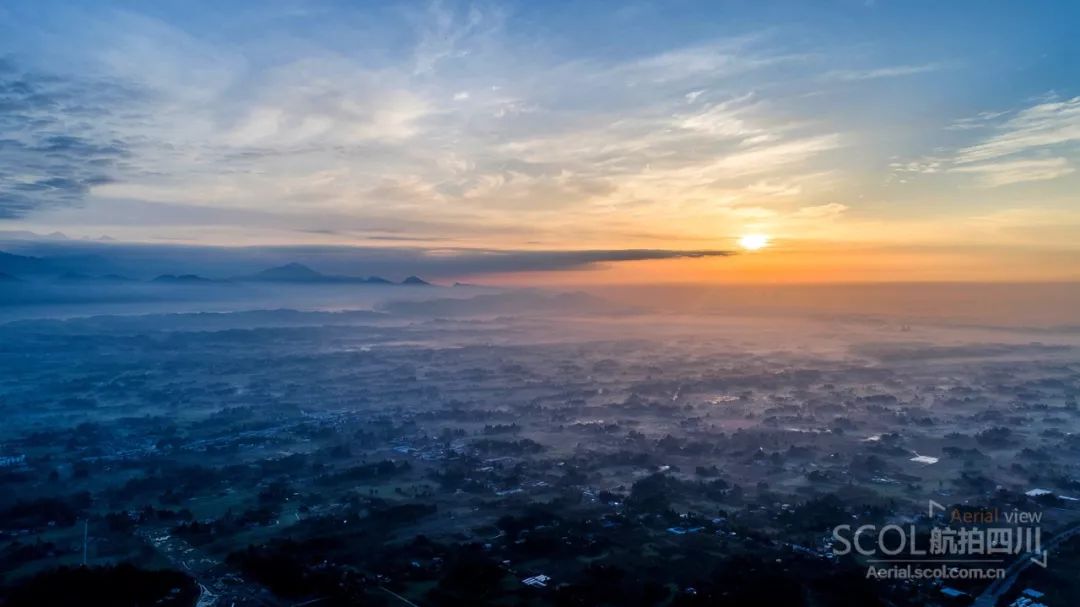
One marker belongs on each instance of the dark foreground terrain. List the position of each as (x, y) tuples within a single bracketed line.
[(290, 458)]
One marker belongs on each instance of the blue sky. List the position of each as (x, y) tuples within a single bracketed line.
[(549, 125)]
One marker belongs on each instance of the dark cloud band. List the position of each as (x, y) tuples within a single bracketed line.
[(51, 152), (222, 262)]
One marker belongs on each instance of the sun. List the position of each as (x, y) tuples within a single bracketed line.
[(753, 242)]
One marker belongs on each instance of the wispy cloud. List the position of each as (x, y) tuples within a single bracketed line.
[(1037, 143), (993, 174), (821, 211), (1040, 127), (479, 119), (712, 61), (980, 120), (875, 73), (460, 121)]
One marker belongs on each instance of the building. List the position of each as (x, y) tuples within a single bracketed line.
[(537, 581), (9, 461)]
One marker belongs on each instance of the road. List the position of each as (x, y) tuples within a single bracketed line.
[(399, 597), (995, 591), (218, 585)]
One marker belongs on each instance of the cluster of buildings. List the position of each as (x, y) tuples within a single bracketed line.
[(12, 461), (537, 581), (1029, 598)]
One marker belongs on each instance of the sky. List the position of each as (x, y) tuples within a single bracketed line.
[(868, 140)]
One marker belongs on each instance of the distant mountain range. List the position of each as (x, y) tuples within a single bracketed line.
[(27, 266), (299, 273), (81, 270), (22, 265), (79, 277), (182, 279)]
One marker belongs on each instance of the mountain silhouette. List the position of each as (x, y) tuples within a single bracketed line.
[(182, 279), (299, 273), (79, 277), (290, 272), (22, 264)]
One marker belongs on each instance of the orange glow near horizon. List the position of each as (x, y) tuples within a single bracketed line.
[(820, 263)]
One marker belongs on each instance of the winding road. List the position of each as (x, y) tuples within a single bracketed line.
[(996, 590)]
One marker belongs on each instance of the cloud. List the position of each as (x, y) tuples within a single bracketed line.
[(980, 120), (53, 149), (1037, 143), (692, 96), (322, 101), (722, 119), (993, 174), (822, 211), (394, 262), (445, 33), (525, 261), (1043, 126), (764, 158), (927, 165), (443, 112), (881, 72)]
